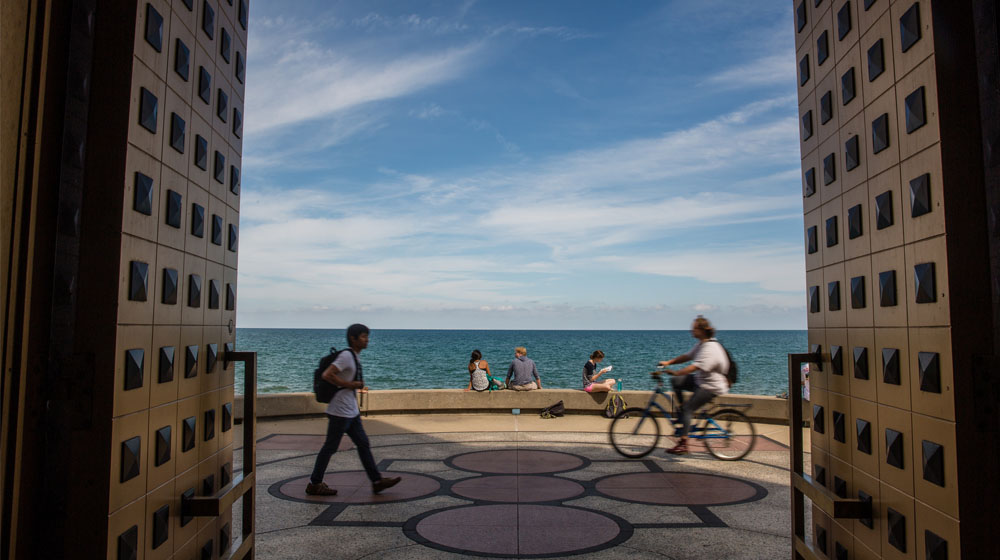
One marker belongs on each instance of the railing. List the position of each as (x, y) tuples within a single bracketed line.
[(243, 484), (802, 484)]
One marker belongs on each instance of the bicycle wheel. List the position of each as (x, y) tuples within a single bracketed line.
[(728, 434), (634, 432)]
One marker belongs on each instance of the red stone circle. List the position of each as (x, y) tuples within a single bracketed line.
[(517, 461), (523, 489), (353, 487), (676, 489), (517, 529)]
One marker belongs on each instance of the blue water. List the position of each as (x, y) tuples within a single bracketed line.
[(437, 359)]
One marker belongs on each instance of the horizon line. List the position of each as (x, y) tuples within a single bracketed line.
[(480, 329)]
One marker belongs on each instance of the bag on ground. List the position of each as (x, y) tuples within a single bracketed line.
[(554, 411), (615, 405)]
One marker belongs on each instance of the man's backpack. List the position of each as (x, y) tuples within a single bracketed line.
[(323, 389), (615, 405), (733, 374)]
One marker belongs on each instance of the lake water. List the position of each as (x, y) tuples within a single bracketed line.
[(437, 359)]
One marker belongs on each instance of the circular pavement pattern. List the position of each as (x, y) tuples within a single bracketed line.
[(353, 487), (523, 489), (676, 489), (517, 461), (517, 530)]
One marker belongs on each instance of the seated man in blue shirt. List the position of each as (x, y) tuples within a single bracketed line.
[(524, 372)]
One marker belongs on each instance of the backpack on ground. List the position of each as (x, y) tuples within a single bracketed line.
[(615, 405), (554, 411), (733, 373), (323, 389)]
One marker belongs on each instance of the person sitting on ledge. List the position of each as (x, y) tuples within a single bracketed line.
[(590, 382), (524, 372), (480, 377)]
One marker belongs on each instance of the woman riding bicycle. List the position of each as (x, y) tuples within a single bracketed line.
[(705, 376)]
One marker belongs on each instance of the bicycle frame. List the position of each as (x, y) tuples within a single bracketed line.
[(709, 430)]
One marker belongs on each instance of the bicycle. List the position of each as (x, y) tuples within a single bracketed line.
[(727, 433)]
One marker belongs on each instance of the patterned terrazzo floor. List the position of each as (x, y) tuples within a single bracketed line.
[(527, 490)]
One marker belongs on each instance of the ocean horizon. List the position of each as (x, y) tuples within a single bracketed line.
[(438, 358)]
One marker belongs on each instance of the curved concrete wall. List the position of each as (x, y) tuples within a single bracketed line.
[(404, 401)]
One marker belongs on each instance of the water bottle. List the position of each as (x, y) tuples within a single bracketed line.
[(619, 385)]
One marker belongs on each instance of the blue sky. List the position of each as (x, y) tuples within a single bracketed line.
[(515, 164)]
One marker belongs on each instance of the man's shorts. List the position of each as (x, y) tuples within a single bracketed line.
[(529, 387)]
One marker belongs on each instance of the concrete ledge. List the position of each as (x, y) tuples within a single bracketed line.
[(764, 409)]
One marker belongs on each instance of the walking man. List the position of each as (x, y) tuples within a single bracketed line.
[(705, 376), (344, 417), (524, 372)]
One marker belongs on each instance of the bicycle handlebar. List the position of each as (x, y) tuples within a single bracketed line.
[(657, 375)]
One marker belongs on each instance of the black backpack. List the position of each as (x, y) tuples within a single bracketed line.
[(554, 411), (733, 374), (323, 389)]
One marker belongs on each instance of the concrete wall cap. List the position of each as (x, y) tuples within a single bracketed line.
[(457, 401)]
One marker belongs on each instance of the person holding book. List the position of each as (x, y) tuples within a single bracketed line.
[(590, 378)]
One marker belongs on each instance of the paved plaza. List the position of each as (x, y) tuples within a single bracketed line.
[(509, 486)]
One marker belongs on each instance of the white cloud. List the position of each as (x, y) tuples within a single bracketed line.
[(557, 31), (413, 22), (327, 81), (751, 135), (409, 241), (431, 111), (778, 268), (774, 69), (582, 224)]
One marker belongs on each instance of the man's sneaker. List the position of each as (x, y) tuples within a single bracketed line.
[(320, 489), (680, 449), (383, 483)]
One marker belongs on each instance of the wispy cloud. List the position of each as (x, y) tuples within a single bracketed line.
[(327, 82), (772, 268), (431, 111), (558, 32), (371, 189), (436, 25), (770, 70), (586, 205), (757, 134)]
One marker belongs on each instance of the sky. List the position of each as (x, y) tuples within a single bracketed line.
[(521, 165)]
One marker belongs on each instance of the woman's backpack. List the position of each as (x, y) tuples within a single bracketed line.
[(615, 405)]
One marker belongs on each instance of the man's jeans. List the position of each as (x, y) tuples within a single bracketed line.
[(688, 382), (336, 429)]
